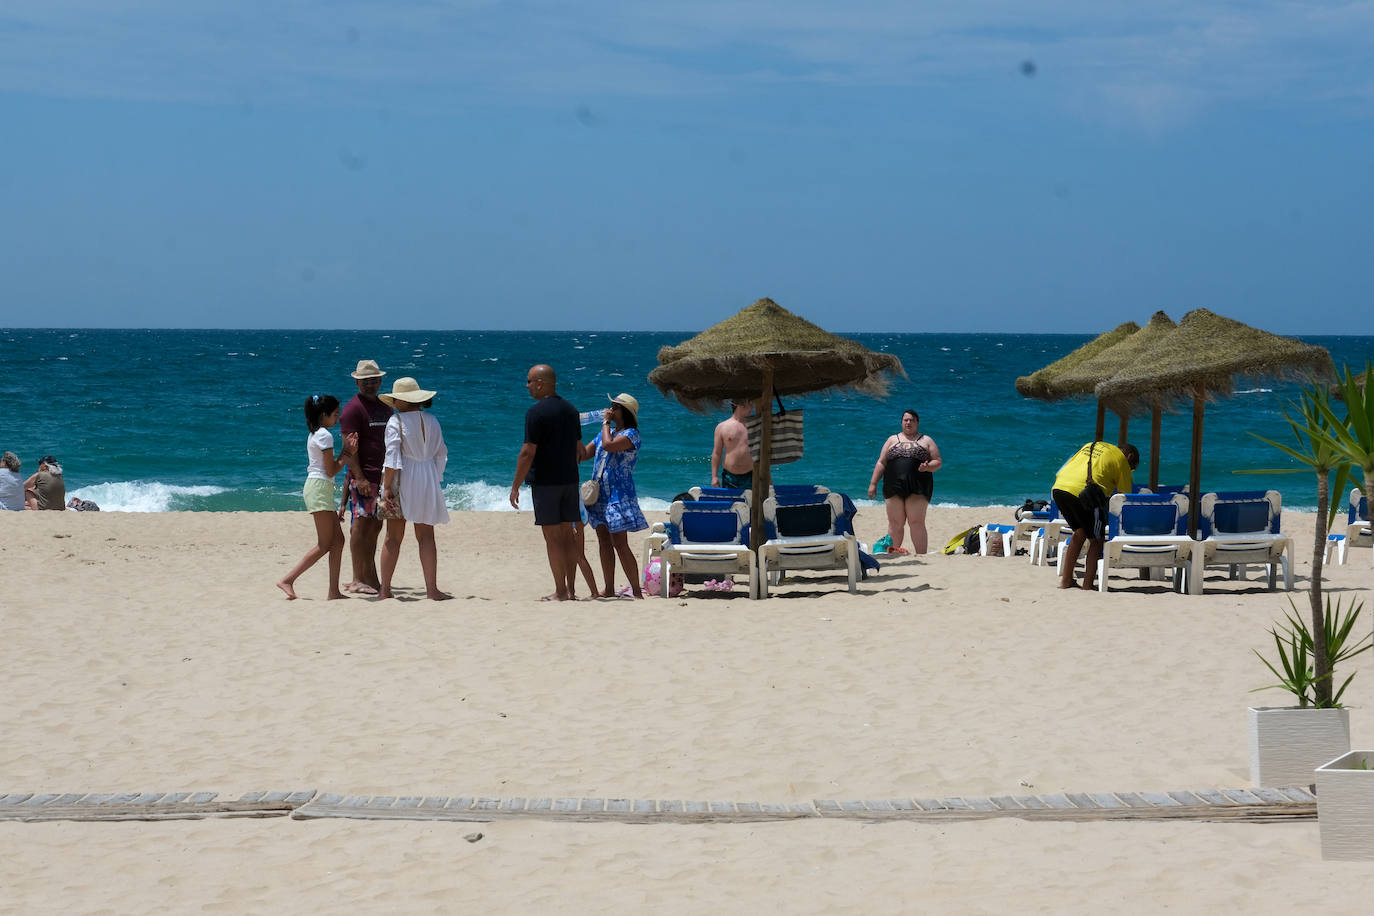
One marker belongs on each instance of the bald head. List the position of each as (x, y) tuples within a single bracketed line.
[(541, 381)]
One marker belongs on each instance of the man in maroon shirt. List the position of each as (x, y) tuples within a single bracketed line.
[(366, 416)]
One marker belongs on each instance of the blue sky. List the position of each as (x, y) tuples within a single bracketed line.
[(871, 165)]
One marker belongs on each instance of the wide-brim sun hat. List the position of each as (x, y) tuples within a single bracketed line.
[(408, 390), (367, 368), (628, 402)]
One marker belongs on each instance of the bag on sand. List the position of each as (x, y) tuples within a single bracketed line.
[(962, 540)]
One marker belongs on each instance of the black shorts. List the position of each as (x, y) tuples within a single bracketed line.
[(556, 504), (1080, 518)]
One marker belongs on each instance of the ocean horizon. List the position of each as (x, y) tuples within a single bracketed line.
[(156, 420)]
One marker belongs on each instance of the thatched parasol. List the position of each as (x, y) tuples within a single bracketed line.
[(1044, 383), (728, 361), (1201, 359), (1087, 375), (762, 351)]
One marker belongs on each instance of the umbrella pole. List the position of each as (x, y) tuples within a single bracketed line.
[(1155, 411), (1195, 468), (762, 476), (1101, 421), (1121, 430)]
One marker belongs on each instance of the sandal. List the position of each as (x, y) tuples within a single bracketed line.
[(898, 552)]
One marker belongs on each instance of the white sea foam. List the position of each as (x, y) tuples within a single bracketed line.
[(1255, 391), (139, 495), (480, 496)]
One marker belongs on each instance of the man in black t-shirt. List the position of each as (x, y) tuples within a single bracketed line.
[(548, 461)]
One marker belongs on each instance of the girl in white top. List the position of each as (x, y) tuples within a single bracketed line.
[(321, 413), (413, 472)]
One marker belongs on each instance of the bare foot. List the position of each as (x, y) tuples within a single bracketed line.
[(360, 588), (1068, 584), (438, 596), (384, 593), (1088, 586), (288, 588), (334, 595), (554, 597)]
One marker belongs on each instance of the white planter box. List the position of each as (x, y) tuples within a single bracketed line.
[(1345, 806), (1287, 743)]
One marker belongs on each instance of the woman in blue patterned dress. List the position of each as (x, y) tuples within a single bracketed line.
[(616, 511)]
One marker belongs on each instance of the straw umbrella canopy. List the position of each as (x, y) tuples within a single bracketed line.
[(1201, 359), (1046, 383), (764, 351)]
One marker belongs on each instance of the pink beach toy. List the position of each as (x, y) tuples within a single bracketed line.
[(653, 580)]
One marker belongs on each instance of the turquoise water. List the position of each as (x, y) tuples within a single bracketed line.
[(158, 420)]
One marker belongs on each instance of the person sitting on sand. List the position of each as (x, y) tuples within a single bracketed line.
[(731, 449), (46, 489), (11, 486), (321, 413), (1111, 470)]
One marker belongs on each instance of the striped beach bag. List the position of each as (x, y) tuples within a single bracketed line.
[(787, 436)]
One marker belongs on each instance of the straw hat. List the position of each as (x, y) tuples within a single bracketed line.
[(408, 390), (367, 368), (628, 402)]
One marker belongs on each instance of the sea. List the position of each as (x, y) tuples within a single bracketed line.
[(212, 420)]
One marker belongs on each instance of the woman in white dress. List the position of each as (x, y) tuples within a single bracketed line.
[(413, 474)]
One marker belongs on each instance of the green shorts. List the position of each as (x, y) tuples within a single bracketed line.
[(319, 495)]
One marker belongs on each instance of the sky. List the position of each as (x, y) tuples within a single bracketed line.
[(991, 165)]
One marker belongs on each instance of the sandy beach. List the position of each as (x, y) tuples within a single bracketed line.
[(151, 652)]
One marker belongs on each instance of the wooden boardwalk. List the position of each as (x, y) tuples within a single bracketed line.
[(1252, 805)]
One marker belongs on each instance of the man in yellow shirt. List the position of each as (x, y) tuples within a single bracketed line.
[(1111, 471)]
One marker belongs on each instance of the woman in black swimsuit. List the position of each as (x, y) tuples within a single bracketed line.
[(905, 465)]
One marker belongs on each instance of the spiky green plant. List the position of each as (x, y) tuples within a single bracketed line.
[(1295, 644), (1315, 449)]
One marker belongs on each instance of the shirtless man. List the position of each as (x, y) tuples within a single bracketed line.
[(732, 450)]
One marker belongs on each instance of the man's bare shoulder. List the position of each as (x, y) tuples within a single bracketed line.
[(730, 424)]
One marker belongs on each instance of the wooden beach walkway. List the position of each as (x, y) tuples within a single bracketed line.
[(1250, 805)]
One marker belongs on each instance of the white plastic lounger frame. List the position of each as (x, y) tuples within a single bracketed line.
[(809, 550), (721, 558), (1235, 549), (1358, 532), (1162, 547)]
